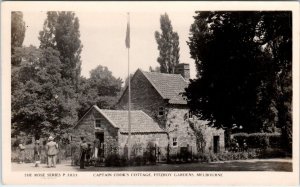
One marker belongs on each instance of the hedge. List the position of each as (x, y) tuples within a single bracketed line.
[(259, 140)]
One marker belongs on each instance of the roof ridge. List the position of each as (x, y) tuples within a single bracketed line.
[(83, 116), (151, 82), (148, 116), (105, 116), (169, 74), (126, 88), (119, 110)]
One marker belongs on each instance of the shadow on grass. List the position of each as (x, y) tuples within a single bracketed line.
[(228, 166)]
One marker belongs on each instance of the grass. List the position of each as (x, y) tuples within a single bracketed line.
[(250, 165)]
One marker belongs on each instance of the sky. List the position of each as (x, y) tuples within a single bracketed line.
[(103, 35)]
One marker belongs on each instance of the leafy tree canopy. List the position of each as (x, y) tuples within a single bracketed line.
[(17, 33), (243, 61), (168, 45), (44, 102), (101, 89), (48, 94), (61, 32), (154, 69)]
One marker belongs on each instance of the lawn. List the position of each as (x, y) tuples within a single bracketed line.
[(248, 165)]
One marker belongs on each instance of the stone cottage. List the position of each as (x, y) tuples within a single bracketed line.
[(111, 128), (160, 96), (159, 116)]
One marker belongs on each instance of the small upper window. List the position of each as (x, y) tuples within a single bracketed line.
[(161, 111), (98, 123), (174, 142)]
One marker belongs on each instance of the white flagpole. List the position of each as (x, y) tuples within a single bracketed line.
[(129, 98)]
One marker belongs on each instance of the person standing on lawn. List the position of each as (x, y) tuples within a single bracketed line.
[(88, 154), (22, 152), (96, 147), (37, 153), (74, 153), (83, 150), (52, 150)]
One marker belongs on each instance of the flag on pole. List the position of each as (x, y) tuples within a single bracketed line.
[(127, 40), (127, 43)]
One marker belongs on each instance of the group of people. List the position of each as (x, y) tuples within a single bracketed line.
[(51, 152), (87, 152)]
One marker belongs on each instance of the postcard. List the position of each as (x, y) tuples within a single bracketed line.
[(157, 93)]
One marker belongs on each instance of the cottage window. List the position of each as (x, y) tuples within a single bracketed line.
[(161, 111), (98, 123), (174, 142)]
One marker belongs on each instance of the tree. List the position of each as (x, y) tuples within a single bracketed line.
[(17, 38), (48, 34), (44, 102), (228, 89), (17, 33), (126, 81), (61, 32), (242, 58), (101, 89), (106, 84), (168, 45), (154, 69), (276, 29)]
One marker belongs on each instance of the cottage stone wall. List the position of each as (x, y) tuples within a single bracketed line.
[(143, 141), (143, 97), (209, 136), (86, 128), (178, 126)]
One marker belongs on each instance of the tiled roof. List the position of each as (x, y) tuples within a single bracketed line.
[(140, 122), (169, 86)]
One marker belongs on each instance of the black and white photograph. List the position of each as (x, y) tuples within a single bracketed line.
[(151, 91)]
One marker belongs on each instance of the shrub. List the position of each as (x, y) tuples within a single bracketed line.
[(204, 157), (112, 160), (195, 158), (15, 156), (275, 142), (180, 156), (241, 155), (273, 153), (123, 161), (139, 160), (149, 158), (97, 162), (15, 143), (173, 158), (213, 157), (258, 140), (120, 161)]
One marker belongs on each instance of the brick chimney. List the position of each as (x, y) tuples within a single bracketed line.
[(184, 70)]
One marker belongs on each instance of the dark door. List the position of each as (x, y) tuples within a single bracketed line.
[(100, 137), (216, 144)]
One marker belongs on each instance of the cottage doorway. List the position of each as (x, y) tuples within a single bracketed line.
[(100, 136), (216, 144)]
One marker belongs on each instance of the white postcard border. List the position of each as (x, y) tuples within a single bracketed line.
[(226, 178)]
